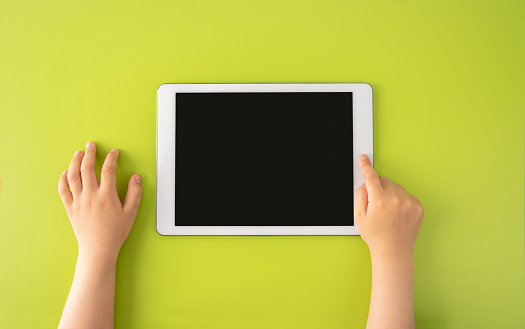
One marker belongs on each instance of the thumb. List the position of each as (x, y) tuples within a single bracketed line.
[(132, 201), (361, 202)]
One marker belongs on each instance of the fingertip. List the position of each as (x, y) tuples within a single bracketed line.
[(90, 144), (363, 157), (133, 196), (63, 177)]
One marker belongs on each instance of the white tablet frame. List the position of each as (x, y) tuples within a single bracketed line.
[(363, 142)]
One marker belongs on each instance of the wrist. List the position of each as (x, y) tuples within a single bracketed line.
[(397, 254), (98, 257), (393, 265)]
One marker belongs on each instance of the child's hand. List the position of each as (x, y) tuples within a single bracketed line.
[(387, 216), (100, 221)]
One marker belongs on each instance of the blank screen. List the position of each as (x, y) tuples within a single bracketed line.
[(264, 159)]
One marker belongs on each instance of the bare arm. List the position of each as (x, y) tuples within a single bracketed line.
[(101, 224), (389, 219), (391, 301), (91, 300)]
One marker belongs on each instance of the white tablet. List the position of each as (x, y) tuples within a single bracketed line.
[(261, 158)]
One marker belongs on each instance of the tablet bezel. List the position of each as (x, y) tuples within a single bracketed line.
[(363, 142)]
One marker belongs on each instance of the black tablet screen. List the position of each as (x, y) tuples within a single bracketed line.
[(265, 159)]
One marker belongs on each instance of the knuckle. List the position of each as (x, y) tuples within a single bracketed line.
[(104, 202), (417, 207), (85, 170), (407, 202), (72, 177), (420, 208), (107, 170), (396, 201)]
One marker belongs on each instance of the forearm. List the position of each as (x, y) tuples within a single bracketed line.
[(391, 301), (91, 300)]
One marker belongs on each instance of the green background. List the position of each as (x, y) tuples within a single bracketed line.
[(449, 119)]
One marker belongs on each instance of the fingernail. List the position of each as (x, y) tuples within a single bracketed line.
[(65, 171), (115, 150), (90, 144), (363, 157), (77, 153), (137, 178)]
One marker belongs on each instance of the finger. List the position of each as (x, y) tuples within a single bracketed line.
[(132, 201), (416, 200), (361, 203), (73, 174), (89, 177), (108, 178), (63, 190), (373, 185), (387, 184), (401, 189), (419, 205)]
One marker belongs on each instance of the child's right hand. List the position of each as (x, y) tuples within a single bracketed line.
[(100, 221), (388, 217)]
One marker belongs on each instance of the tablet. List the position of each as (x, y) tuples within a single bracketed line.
[(261, 158)]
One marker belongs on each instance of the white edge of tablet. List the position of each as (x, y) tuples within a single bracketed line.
[(165, 208)]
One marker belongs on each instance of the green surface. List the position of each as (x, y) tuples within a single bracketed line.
[(448, 79)]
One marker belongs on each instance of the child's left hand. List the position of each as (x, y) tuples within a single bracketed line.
[(100, 221)]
